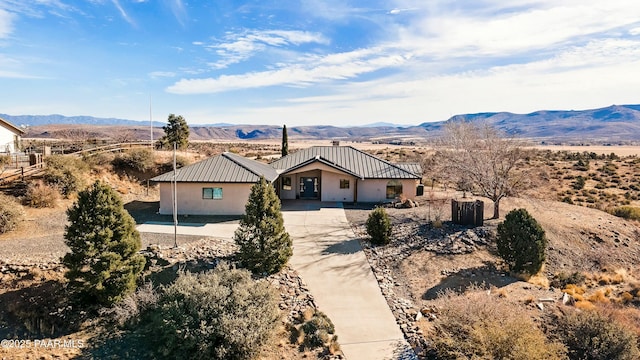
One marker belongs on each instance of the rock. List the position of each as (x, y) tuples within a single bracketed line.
[(419, 316), (540, 306), (546, 300), (568, 299)]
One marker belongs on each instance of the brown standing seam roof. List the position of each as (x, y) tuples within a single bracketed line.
[(224, 168), (350, 160), (10, 126)]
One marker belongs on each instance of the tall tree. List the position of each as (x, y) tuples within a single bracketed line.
[(265, 246), (176, 131), (483, 158), (104, 263), (285, 141)]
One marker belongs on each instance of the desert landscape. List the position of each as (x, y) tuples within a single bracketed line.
[(431, 273)]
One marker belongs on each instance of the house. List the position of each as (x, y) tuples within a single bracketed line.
[(221, 185), (10, 137), (343, 173), (216, 186)]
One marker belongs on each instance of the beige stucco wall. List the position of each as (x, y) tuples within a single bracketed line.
[(190, 201), (331, 187), (374, 190), (7, 140)]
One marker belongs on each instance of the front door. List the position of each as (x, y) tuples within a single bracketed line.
[(309, 187)]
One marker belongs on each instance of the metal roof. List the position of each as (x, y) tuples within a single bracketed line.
[(346, 159), (11, 127), (412, 167), (224, 168)]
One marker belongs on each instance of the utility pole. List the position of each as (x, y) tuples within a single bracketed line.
[(175, 199), (150, 124)]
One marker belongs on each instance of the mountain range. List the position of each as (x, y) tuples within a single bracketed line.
[(613, 124)]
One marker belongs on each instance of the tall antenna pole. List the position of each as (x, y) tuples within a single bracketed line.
[(175, 200), (150, 124)]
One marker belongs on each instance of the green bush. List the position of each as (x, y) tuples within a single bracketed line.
[(579, 183), (181, 161), (265, 246), (589, 335), (141, 160), (220, 314), (65, 173), (626, 212), (379, 227), (521, 242), (40, 195), (477, 326), (318, 330), (11, 213), (104, 263), (562, 279)]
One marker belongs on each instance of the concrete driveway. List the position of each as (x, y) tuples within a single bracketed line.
[(330, 259), (219, 230)]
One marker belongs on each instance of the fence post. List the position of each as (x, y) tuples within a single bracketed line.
[(22, 173)]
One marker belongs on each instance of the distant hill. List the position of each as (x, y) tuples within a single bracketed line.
[(616, 123), (613, 123)]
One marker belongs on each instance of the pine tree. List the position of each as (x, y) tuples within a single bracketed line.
[(285, 141), (265, 246), (521, 242), (176, 131), (104, 263), (379, 227)]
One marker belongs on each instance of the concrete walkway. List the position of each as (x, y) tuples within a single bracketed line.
[(331, 261)]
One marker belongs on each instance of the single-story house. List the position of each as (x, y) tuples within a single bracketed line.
[(10, 136), (221, 185), (216, 186)]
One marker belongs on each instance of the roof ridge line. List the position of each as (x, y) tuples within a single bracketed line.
[(239, 164)]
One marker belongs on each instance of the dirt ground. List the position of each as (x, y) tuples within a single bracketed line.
[(581, 240)]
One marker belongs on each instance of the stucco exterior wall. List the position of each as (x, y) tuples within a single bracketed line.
[(7, 140), (190, 201), (331, 187), (375, 190)]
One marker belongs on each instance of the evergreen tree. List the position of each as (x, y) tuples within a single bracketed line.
[(265, 246), (285, 141), (104, 263), (379, 227), (521, 242), (176, 131)]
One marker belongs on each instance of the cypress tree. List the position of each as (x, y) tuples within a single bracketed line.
[(285, 141), (522, 242), (104, 263), (265, 246)]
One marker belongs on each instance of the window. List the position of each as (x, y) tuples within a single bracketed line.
[(212, 193), (394, 189), (286, 183), (344, 183)]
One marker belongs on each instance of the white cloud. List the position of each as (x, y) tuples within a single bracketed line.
[(123, 13), (313, 70), (6, 23), (238, 47), (162, 74)]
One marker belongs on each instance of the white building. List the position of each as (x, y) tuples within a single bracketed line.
[(10, 137)]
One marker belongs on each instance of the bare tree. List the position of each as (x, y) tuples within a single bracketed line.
[(482, 156)]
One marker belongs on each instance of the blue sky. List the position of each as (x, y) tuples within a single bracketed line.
[(335, 62)]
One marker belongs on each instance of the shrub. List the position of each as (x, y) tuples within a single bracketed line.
[(589, 335), (133, 305), (379, 227), (521, 242), (40, 195), (477, 326), (265, 246), (11, 213), (104, 263), (318, 330), (562, 279), (141, 160), (181, 161), (220, 314), (65, 173), (626, 212), (579, 183)]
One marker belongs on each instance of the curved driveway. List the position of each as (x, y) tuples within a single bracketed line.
[(330, 259)]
